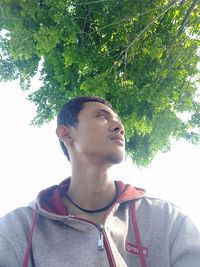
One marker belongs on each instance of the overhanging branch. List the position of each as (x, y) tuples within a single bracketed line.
[(185, 20)]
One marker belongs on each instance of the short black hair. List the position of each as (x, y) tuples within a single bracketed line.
[(68, 115)]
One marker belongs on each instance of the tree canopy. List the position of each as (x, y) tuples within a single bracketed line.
[(140, 55)]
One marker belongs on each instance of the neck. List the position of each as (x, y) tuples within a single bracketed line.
[(91, 187)]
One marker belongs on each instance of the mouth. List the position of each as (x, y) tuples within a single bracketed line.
[(119, 140)]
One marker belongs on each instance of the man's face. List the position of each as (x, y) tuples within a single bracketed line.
[(99, 134)]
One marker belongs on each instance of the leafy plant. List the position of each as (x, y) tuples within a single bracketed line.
[(140, 55)]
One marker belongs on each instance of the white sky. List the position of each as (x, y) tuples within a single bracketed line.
[(31, 160)]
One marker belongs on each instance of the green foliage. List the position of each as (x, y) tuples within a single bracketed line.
[(140, 55)]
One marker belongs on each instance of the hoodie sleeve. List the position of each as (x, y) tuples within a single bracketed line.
[(185, 247), (8, 257)]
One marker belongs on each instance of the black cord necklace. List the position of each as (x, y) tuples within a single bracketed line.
[(99, 210)]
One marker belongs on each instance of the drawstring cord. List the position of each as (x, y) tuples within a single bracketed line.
[(28, 248), (137, 236)]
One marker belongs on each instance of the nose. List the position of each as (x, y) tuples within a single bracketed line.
[(118, 127)]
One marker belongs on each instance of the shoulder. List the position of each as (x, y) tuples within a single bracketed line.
[(157, 205), (16, 221), (160, 214), (14, 231), (165, 219), (165, 216), (24, 212)]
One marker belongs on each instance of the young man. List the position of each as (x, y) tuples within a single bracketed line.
[(89, 219)]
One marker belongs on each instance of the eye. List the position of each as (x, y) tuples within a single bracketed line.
[(103, 115)]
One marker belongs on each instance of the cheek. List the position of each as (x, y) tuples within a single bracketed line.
[(91, 134), (94, 131), (95, 139)]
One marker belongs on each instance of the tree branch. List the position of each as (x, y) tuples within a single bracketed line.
[(185, 20), (84, 24), (145, 29), (88, 3), (164, 18), (126, 19), (174, 61), (180, 51)]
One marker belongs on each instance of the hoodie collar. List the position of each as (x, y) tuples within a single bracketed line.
[(50, 203)]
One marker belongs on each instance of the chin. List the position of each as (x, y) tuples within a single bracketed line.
[(115, 158)]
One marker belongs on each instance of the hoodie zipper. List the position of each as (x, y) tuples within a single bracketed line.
[(100, 237), (102, 240)]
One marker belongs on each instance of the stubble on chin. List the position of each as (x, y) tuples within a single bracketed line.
[(115, 158)]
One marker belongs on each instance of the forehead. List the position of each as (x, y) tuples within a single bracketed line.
[(90, 108)]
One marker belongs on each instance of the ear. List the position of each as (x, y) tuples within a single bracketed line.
[(64, 134)]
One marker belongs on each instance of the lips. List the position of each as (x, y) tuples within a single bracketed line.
[(118, 137)]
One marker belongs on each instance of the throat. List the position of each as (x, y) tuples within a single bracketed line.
[(93, 211)]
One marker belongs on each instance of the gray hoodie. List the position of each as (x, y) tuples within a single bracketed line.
[(137, 231)]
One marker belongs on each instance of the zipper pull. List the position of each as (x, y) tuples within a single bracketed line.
[(100, 237)]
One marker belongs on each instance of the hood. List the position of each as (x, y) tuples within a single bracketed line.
[(49, 202)]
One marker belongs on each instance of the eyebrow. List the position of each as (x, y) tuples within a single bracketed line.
[(108, 113)]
